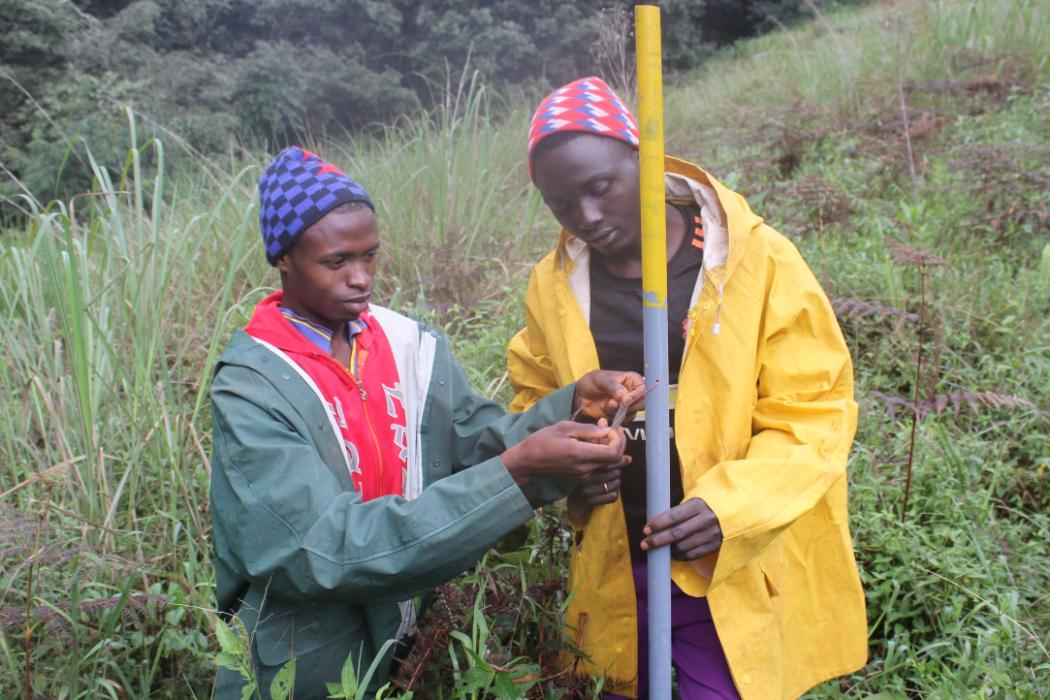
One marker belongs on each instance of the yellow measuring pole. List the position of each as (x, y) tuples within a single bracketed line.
[(654, 322), (651, 154)]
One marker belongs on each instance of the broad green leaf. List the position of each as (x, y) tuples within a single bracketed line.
[(475, 679), (229, 642), (335, 690), (283, 682), (225, 660), (348, 677), (504, 687)]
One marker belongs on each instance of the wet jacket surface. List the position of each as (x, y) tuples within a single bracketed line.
[(311, 570), (764, 422)]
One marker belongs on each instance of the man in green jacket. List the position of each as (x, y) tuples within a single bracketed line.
[(353, 467)]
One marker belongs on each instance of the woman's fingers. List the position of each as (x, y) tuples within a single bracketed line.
[(602, 485), (697, 545), (675, 533), (603, 491), (699, 552), (691, 528)]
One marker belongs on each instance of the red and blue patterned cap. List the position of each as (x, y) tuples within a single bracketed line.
[(587, 105), (295, 191)]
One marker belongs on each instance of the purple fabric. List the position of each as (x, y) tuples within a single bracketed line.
[(696, 653)]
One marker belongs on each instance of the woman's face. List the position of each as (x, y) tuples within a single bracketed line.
[(591, 185)]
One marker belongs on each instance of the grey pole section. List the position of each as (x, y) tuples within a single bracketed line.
[(658, 488)]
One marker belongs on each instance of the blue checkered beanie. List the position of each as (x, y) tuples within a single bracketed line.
[(295, 191)]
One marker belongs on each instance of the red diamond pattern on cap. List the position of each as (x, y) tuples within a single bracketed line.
[(587, 105)]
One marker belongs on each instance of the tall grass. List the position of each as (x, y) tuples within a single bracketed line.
[(454, 201), (915, 121), (112, 307)]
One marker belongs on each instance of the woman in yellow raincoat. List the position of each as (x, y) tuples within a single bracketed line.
[(763, 419)]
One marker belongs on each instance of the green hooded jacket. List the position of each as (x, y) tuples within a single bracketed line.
[(312, 571)]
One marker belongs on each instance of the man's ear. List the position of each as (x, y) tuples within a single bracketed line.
[(282, 264)]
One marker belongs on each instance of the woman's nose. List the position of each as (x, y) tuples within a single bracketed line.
[(590, 214)]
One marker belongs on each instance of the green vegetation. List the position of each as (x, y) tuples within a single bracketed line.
[(905, 148)]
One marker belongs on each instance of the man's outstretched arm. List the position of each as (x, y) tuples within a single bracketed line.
[(287, 522)]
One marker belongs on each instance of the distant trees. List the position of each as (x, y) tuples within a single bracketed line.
[(274, 71)]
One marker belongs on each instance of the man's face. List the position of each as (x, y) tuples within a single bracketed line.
[(327, 274), (591, 184)]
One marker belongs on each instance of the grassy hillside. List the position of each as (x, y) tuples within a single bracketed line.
[(904, 147)]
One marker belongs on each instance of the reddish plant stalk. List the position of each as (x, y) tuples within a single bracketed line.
[(918, 384)]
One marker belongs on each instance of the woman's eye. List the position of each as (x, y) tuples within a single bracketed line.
[(558, 208)]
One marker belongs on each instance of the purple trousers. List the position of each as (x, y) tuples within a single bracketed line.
[(696, 653)]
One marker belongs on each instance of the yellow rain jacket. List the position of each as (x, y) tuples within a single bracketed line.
[(763, 425)]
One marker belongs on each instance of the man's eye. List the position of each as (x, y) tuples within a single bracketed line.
[(601, 188), (333, 264)]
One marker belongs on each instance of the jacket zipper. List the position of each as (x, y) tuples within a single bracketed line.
[(364, 407), (371, 428), (368, 416)]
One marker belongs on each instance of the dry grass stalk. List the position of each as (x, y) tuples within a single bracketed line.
[(611, 49), (824, 199), (134, 611), (26, 541), (52, 475), (975, 401), (852, 308), (907, 135), (993, 85), (903, 255)]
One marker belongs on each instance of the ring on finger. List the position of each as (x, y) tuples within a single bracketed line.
[(605, 486)]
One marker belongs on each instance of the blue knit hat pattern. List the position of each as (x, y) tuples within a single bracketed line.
[(295, 191)]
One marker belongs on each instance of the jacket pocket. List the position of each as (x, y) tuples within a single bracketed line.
[(295, 631)]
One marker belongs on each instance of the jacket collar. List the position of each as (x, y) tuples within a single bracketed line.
[(269, 324)]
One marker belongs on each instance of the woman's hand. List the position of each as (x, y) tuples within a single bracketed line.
[(598, 488), (691, 529)]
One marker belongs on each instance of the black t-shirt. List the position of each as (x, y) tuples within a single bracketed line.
[(616, 325)]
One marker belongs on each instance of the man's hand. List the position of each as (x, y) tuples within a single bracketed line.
[(691, 529), (564, 449), (601, 392)]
